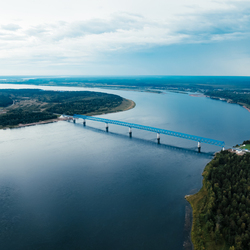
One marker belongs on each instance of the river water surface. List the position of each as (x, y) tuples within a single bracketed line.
[(65, 186)]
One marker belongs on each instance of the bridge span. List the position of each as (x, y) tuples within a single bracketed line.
[(159, 131)]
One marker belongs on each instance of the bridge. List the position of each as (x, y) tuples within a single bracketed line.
[(159, 131)]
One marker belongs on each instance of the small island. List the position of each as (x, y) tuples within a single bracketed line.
[(31, 106), (221, 209)]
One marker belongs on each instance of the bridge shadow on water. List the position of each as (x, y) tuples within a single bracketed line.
[(152, 142)]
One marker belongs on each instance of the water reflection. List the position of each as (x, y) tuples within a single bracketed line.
[(191, 150), (65, 186)]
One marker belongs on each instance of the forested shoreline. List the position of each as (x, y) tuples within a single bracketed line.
[(33, 105), (221, 209), (20, 116), (239, 97)]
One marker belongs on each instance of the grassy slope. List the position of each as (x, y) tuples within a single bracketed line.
[(246, 147)]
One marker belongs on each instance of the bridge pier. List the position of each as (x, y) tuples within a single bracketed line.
[(84, 123), (151, 129), (107, 127), (158, 138), (199, 147)]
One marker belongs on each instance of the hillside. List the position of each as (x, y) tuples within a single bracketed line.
[(221, 209)]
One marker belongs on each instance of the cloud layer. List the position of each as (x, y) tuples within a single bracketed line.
[(83, 41)]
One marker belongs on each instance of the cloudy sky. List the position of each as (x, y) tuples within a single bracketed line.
[(132, 37)]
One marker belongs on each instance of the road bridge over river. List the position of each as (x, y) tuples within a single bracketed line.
[(159, 131)]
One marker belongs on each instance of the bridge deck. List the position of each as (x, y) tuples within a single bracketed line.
[(157, 130)]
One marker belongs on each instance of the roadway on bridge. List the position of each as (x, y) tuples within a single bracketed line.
[(199, 139)]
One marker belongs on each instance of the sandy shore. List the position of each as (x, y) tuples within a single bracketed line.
[(41, 122), (126, 105), (197, 95), (246, 108), (132, 105)]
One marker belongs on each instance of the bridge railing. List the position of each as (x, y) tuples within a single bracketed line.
[(153, 129)]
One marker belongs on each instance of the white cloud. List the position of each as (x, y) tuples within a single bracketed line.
[(84, 38), (11, 27)]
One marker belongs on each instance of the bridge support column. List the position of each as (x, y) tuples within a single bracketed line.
[(84, 123), (158, 138), (199, 147), (107, 127), (130, 132)]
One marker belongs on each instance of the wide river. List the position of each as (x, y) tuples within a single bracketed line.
[(65, 186)]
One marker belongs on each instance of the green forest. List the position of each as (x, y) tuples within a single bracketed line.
[(242, 98), (5, 100), (18, 116), (87, 105), (31, 105), (221, 208)]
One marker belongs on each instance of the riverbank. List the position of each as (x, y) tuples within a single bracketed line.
[(241, 98), (246, 108), (125, 105), (200, 238), (33, 106), (221, 205)]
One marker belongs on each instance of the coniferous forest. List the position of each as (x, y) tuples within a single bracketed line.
[(240, 97), (222, 207), (5, 100), (33, 105), (18, 116)]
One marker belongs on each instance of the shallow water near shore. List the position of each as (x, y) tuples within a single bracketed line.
[(65, 186)]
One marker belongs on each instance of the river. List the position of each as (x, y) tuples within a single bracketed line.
[(65, 186)]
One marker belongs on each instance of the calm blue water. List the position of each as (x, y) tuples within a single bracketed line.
[(65, 186)]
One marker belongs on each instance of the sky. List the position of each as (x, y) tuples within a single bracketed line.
[(132, 37)]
